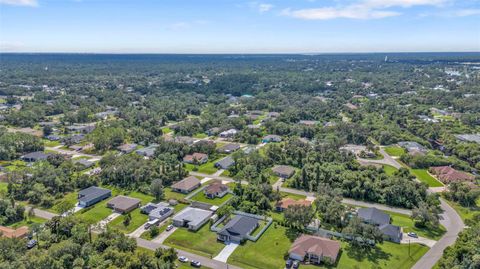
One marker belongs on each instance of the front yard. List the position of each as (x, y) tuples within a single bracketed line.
[(424, 176), (408, 226), (394, 151), (206, 168), (202, 242), (137, 220)]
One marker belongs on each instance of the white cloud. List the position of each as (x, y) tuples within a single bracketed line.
[(28, 3), (264, 7), (465, 12), (365, 9)]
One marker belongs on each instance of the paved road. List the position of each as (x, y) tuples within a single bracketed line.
[(42, 213), (454, 225), (387, 160), (420, 240), (204, 260)]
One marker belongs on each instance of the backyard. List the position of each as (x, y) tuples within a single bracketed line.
[(200, 197), (206, 168)]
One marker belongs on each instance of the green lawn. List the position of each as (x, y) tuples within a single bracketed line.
[(70, 198), (464, 212), (206, 168), (202, 242), (138, 219), (408, 226), (395, 151), (200, 135), (166, 130), (169, 194), (268, 253), (200, 197), (146, 235), (293, 196), (95, 213), (424, 176), (49, 143), (389, 170), (3, 186), (27, 222)]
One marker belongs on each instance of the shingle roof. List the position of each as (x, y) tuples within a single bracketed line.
[(391, 230), (286, 202), (194, 216), (123, 202), (239, 226), (215, 187), (373, 215), (91, 193), (186, 183), (448, 174), (13, 233), (315, 245), (283, 170), (226, 162)]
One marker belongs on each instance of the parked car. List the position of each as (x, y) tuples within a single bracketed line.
[(32, 243), (169, 227), (196, 264), (183, 259), (288, 263), (151, 223), (412, 234), (295, 264)]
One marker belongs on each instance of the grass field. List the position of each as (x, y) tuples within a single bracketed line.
[(206, 168), (464, 212), (425, 177), (138, 219), (200, 135), (169, 194), (202, 242), (27, 222), (200, 197), (3, 186), (389, 170), (408, 226), (166, 130), (268, 253), (95, 213), (395, 151)]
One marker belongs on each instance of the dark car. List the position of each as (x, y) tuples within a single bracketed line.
[(296, 264), (32, 243), (196, 264), (288, 263)]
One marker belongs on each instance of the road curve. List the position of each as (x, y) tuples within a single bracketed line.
[(454, 225)]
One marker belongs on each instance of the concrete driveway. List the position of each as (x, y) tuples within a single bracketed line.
[(226, 252), (103, 223), (420, 240), (163, 236), (138, 232)]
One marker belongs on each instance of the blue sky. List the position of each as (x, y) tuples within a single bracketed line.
[(236, 26)]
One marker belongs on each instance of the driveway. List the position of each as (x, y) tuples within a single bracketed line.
[(420, 240), (205, 180), (138, 232), (226, 252), (103, 223), (163, 236), (387, 160)]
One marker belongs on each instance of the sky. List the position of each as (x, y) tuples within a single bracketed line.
[(236, 26)]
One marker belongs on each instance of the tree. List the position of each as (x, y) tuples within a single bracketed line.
[(126, 219), (154, 231), (298, 216), (425, 215), (157, 189), (361, 234)]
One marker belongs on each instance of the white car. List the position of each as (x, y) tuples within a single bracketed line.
[(412, 234), (183, 259)]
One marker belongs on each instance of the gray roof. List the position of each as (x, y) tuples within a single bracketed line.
[(229, 147), (193, 216), (84, 162), (160, 212), (239, 226), (390, 230), (123, 202), (373, 215), (92, 193), (225, 162), (148, 151), (36, 156)]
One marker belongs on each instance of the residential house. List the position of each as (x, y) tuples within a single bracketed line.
[(84, 163), (53, 137), (123, 204), (373, 216), (216, 189), (314, 249), (391, 232), (271, 138), (186, 185), (283, 171), (92, 195), (308, 122), (159, 211), (147, 151), (196, 158), (286, 202), (127, 148), (237, 229), (229, 148), (225, 163), (8, 232), (192, 218), (228, 133), (213, 131), (469, 138), (413, 148), (35, 156), (447, 174)]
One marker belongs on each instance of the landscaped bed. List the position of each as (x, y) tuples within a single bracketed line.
[(202, 242)]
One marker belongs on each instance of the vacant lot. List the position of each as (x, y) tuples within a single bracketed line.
[(202, 242), (425, 177), (395, 151)]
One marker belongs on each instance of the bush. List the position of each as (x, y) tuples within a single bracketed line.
[(154, 231)]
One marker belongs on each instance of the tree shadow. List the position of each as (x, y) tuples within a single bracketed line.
[(373, 254)]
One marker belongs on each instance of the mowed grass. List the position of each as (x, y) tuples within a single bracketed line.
[(424, 176), (395, 151), (3, 187), (29, 221), (268, 252), (408, 225), (389, 170), (137, 220), (465, 212), (200, 197), (95, 213), (170, 194), (166, 130), (206, 168), (202, 242)]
